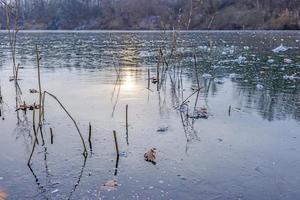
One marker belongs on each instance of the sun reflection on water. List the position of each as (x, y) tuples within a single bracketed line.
[(129, 83)]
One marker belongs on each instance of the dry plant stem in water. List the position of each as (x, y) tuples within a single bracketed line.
[(90, 137), (127, 124), (70, 116), (35, 135), (116, 143), (38, 58)]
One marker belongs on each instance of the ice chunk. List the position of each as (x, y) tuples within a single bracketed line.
[(259, 87), (219, 80), (206, 76), (240, 59), (280, 48), (291, 78), (54, 191), (144, 54), (234, 75), (287, 61)]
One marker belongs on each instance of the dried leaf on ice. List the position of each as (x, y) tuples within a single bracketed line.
[(3, 194), (150, 156), (33, 91), (202, 113), (24, 107), (162, 129), (154, 80), (110, 185)]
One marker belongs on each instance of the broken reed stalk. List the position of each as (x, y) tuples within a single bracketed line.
[(51, 134), (157, 74), (127, 124), (196, 70), (197, 91), (35, 135), (43, 106), (148, 78), (33, 124), (116, 166), (90, 136), (70, 116), (38, 58), (12, 11), (116, 143)]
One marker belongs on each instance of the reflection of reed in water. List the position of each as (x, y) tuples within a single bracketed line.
[(78, 180), (45, 190)]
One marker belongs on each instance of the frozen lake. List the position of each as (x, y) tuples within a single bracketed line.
[(250, 153)]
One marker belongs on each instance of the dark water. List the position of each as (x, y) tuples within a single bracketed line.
[(251, 154)]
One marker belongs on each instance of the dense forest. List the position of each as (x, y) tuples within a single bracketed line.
[(156, 14)]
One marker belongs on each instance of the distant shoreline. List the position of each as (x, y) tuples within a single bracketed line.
[(145, 31)]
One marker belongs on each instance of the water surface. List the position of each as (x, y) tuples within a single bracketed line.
[(253, 153)]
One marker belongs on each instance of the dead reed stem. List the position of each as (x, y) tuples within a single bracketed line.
[(51, 135), (38, 58), (157, 74), (70, 116), (196, 70), (127, 124), (90, 136), (35, 135), (116, 143), (190, 96), (116, 165), (148, 78)]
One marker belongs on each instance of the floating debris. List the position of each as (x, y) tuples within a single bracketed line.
[(240, 59), (54, 191), (258, 170), (150, 156), (194, 87), (234, 75), (201, 113), (123, 154), (154, 80), (3, 194), (184, 108), (110, 185), (259, 87), (162, 129), (24, 107), (281, 48), (206, 76), (291, 78), (219, 80), (13, 78), (287, 61), (33, 91)]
